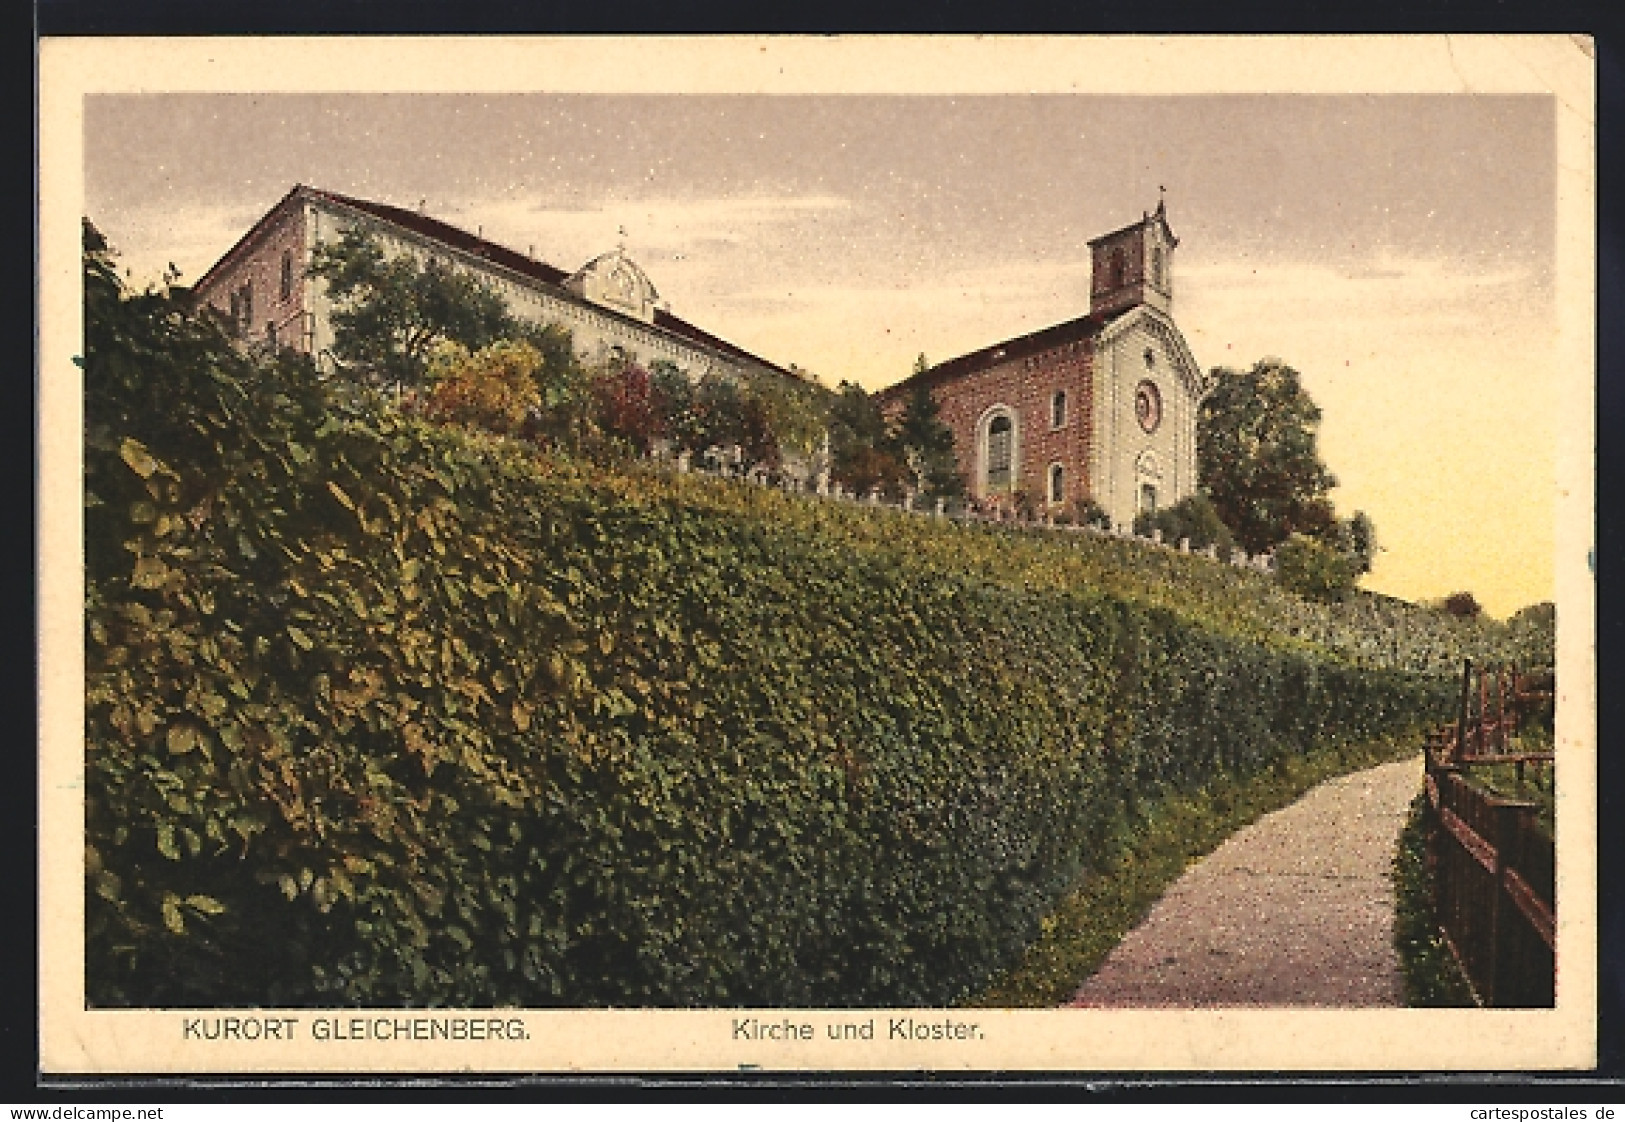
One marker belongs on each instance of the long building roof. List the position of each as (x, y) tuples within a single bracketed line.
[(499, 255), (1021, 346)]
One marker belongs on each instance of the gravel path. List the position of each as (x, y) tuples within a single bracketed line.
[(1296, 909)]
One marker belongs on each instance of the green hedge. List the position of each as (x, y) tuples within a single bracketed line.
[(384, 713)]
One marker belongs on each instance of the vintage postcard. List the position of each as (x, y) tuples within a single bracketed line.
[(845, 554)]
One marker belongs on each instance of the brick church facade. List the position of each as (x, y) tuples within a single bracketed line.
[(1099, 408)]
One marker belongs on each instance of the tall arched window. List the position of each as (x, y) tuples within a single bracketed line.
[(1158, 278), (1057, 409), (1057, 483), (999, 439), (1119, 269), (287, 274)]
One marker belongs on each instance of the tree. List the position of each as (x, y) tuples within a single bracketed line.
[(676, 404), (1462, 605), (1313, 569), (1357, 538), (393, 310), (627, 406), (926, 445), (1532, 632), (493, 389), (861, 451), (1257, 456), (793, 409)]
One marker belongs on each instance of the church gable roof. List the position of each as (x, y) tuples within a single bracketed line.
[(1160, 325), (1022, 346), (1160, 216)]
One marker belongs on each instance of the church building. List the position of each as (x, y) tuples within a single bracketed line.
[(1099, 408), (263, 286)]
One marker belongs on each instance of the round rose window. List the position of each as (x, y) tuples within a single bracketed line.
[(1148, 406)]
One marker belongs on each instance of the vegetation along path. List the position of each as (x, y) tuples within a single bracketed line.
[(1296, 909)]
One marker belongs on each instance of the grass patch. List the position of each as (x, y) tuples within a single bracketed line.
[(1538, 786), (1173, 832), (1432, 977)]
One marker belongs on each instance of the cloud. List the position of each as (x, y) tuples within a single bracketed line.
[(1391, 290), (870, 332), (150, 239), (659, 227)]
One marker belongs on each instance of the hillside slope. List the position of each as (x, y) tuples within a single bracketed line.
[(379, 712)]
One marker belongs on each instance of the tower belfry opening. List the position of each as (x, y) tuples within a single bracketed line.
[(1134, 265)]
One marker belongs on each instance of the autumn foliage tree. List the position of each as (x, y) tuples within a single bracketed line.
[(494, 388), (628, 407)]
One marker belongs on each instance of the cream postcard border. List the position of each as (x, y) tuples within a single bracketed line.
[(80, 1041)]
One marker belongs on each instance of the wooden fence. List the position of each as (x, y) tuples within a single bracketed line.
[(1493, 866)]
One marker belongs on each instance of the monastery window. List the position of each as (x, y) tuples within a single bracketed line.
[(236, 310), (287, 274), (999, 440), (1057, 483), (1057, 410), (248, 303), (1119, 268), (270, 334), (1157, 276), (1148, 498)]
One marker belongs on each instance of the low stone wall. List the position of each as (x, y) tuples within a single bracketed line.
[(798, 476)]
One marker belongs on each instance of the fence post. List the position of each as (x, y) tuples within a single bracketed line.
[(1433, 822), (1503, 914), (1461, 716), (1501, 711)]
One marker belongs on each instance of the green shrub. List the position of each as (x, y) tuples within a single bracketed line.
[(1533, 633), (1313, 569), (380, 712), (1086, 512), (1192, 519), (1431, 976)]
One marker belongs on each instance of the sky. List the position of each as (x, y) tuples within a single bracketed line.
[(1397, 250)]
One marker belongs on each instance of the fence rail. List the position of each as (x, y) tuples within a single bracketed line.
[(1493, 867)]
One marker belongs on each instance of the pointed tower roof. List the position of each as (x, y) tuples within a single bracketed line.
[(1160, 215)]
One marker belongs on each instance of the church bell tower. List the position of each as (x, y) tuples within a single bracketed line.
[(1133, 266)]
